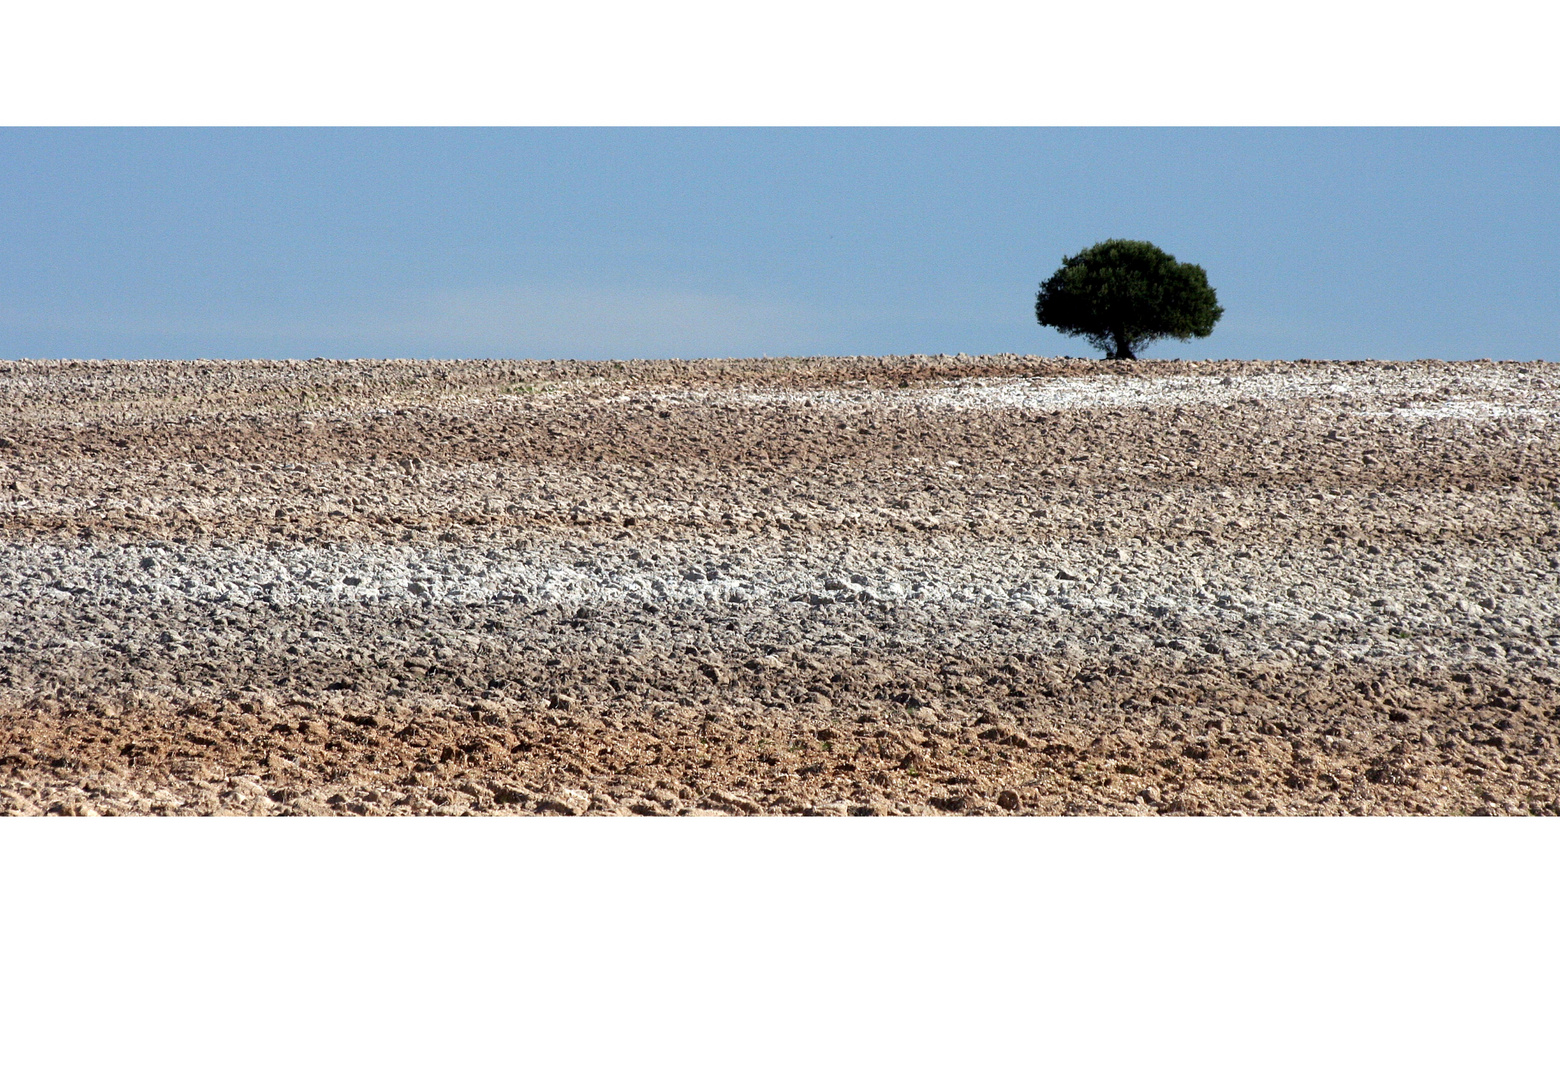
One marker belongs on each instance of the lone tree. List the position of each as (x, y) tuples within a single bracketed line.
[(1122, 294)]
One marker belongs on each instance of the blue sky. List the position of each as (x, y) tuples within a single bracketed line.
[(645, 242)]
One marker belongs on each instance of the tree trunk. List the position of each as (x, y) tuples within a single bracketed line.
[(1123, 349)]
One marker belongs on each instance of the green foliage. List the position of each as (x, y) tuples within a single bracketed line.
[(1122, 294)]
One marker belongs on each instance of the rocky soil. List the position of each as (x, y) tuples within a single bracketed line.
[(872, 585)]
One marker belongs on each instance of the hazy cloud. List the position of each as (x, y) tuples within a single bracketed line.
[(543, 321), (595, 322)]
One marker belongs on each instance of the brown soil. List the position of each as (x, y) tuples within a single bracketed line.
[(894, 585)]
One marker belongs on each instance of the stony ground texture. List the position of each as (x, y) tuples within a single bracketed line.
[(891, 585)]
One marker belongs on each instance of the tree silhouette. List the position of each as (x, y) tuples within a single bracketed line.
[(1122, 294)]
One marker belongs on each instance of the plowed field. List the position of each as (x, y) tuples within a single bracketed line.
[(873, 585)]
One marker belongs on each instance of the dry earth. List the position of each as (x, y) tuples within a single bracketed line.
[(893, 585)]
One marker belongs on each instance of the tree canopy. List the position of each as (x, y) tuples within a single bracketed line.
[(1122, 294)]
